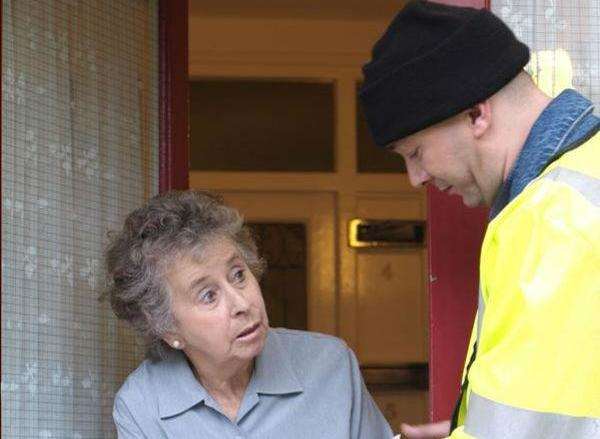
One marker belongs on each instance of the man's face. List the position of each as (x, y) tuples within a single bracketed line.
[(444, 155)]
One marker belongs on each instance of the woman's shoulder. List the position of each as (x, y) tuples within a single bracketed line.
[(137, 382), (296, 336), (147, 382), (145, 397), (310, 346), (323, 364)]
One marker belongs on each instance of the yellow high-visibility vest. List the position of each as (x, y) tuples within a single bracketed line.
[(537, 369)]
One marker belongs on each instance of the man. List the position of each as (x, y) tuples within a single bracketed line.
[(446, 89)]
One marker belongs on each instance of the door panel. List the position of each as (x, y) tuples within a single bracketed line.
[(391, 206), (284, 286), (391, 308), (401, 405), (392, 302), (317, 212)]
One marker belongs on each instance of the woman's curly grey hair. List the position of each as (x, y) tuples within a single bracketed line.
[(153, 236)]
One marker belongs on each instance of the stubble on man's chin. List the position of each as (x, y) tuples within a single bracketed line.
[(473, 202)]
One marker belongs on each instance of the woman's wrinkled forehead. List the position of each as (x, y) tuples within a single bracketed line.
[(216, 251), (214, 248)]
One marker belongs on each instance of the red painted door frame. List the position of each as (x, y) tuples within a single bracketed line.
[(454, 240), (173, 95)]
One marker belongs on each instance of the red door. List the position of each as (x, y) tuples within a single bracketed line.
[(173, 95), (454, 240)]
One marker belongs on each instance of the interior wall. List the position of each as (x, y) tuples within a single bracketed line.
[(285, 41)]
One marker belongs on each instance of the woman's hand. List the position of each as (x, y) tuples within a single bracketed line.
[(434, 430)]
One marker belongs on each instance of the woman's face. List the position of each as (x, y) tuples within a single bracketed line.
[(218, 307)]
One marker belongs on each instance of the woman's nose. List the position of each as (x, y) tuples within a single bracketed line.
[(239, 302)]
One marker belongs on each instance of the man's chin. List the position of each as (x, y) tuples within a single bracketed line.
[(472, 202), (469, 200)]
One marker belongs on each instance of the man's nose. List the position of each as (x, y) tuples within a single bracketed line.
[(416, 174)]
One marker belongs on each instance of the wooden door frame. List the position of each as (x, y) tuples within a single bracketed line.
[(173, 98), (454, 242)]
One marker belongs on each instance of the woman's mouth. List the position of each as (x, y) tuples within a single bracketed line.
[(249, 332)]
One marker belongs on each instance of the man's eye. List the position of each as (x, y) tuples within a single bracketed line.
[(414, 154), (208, 296)]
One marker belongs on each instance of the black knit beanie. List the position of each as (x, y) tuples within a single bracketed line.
[(433, 62)]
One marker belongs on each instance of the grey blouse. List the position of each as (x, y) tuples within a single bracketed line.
[(305, 385)]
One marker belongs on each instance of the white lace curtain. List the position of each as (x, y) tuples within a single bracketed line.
[(79, 150), (564, 36)]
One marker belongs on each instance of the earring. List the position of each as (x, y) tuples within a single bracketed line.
[(176, 344)]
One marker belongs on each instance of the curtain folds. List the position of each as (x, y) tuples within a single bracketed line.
[(79, 150), (563, 37)]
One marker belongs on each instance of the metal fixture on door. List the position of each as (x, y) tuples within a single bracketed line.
[(385, 233)]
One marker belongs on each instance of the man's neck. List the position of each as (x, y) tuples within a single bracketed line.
[(519, 123)]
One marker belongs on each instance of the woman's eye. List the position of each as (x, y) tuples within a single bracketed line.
[(208, 296), (239, 275)]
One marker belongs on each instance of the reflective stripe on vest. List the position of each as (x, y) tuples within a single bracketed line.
[(586, 185), (480, 312), (487, 419)]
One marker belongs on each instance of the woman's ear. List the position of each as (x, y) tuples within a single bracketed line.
[(480, 116), (173, 340)]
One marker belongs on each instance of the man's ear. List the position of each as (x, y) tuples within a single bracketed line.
[(480, 118)]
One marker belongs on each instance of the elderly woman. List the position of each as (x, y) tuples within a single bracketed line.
[(184, 273)]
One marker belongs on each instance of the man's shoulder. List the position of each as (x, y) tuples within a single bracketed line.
[(585, 158), (556, 192), (561, 205)]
